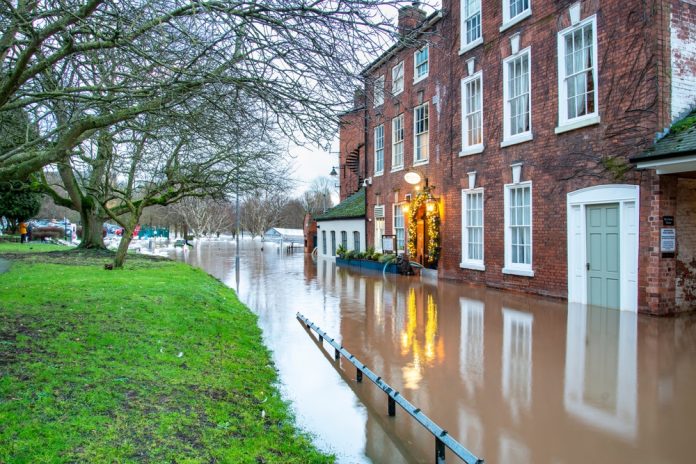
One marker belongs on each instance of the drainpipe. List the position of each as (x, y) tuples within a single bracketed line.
[(365, 135)]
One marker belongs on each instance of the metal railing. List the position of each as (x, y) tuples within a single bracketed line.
[(442, 438)]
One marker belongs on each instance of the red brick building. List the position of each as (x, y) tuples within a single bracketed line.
[(521, 118)]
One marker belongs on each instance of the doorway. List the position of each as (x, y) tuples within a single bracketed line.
[(603, 257)]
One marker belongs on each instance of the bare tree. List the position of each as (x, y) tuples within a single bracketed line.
[(205, 216), (261, 211), (318, 199), (105, 63)]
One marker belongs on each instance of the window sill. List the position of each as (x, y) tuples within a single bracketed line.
[(516, 19), (420, 163), (521, 138), (394, 94), (418, 79), (397, 169), (472, 150), (378, 174), (588, 121), (518, 272), (471, 46), (473, 266)]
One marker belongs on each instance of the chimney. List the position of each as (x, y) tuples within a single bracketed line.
[(410, 17), (358, 98)]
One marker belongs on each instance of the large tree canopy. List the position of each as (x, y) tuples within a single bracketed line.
[(81, 67)]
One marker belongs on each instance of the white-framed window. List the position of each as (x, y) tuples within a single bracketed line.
[(515, 11), (421, 136), (398, 227), (398, 78), (398, 142), (472, 229), (323, 242), (472, 114), (379, 91), (517, 110), (421, 64), (379, 227), (518, 229), (379, 149), (333, 243), (344, 239), (577, 76), (356, 240), (471, 24)]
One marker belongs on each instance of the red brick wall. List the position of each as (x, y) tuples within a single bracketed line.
[(632, 70), (685, 221), (351, 139)]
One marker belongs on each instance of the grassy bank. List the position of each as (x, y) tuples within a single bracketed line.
[(155, 363)]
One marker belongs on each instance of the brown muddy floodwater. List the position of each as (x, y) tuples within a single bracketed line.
[(515, 379)]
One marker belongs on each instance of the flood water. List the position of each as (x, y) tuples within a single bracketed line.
[(516, 379)]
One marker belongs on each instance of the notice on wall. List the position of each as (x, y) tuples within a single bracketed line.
[(388, 243), (668, 240)]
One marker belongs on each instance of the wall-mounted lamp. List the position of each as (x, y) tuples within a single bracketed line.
[(333, 172)]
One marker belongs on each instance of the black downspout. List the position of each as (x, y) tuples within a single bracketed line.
[(365, 117)]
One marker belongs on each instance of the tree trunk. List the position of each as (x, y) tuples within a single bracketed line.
[(92, 228), (123, 247)]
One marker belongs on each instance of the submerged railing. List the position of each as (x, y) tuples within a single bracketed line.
[(442, 438)]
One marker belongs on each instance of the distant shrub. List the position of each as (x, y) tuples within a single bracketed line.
[(41, 233)]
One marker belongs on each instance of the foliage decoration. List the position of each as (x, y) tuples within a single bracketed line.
[(432, 226)]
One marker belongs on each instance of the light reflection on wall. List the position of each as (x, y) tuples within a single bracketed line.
[(425, 352), (600, 372)]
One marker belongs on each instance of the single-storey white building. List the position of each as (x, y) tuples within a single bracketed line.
[(344, 224)]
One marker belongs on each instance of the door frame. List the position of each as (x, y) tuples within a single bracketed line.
[(627, 196)]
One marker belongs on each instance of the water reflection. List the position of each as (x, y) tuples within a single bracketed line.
[(516, 379)]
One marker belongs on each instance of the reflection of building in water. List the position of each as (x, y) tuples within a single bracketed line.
[(512, 451), (471, 343), (517, 359), (423, 347), (600, 372)]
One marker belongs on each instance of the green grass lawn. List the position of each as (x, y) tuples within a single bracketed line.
[(31, 247), (154, 363)]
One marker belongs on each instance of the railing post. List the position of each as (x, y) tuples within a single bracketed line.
[(337, 354), (321, 339), (439, 451), (392, 406), (358, 375)]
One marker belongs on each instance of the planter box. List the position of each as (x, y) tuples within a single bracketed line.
[(367, 264)]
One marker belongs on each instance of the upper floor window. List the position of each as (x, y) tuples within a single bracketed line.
[(471, 23), (379, 149), (420, 64), (398, 79), (379, 91), (421, 133), (514, 11), (472, 115), (517, 119), (577, 75), (398, 142)]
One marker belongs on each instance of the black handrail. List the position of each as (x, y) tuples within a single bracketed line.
[(442, 438)]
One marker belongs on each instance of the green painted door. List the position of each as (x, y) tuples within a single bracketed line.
[(603, 257)]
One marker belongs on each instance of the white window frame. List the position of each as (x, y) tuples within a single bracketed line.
[(465, 45), (378, 93), (398, 143), (379, 150), (416, 76), (380, 226), (478, 147), (467, 261), (398, 76), (356, 240), (420, 159), (509, 21), (509, 139), (565, 123), (398, 208), (521, 269), (344, 239)]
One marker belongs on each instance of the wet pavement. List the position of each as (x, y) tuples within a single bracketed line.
[(514, 378)]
